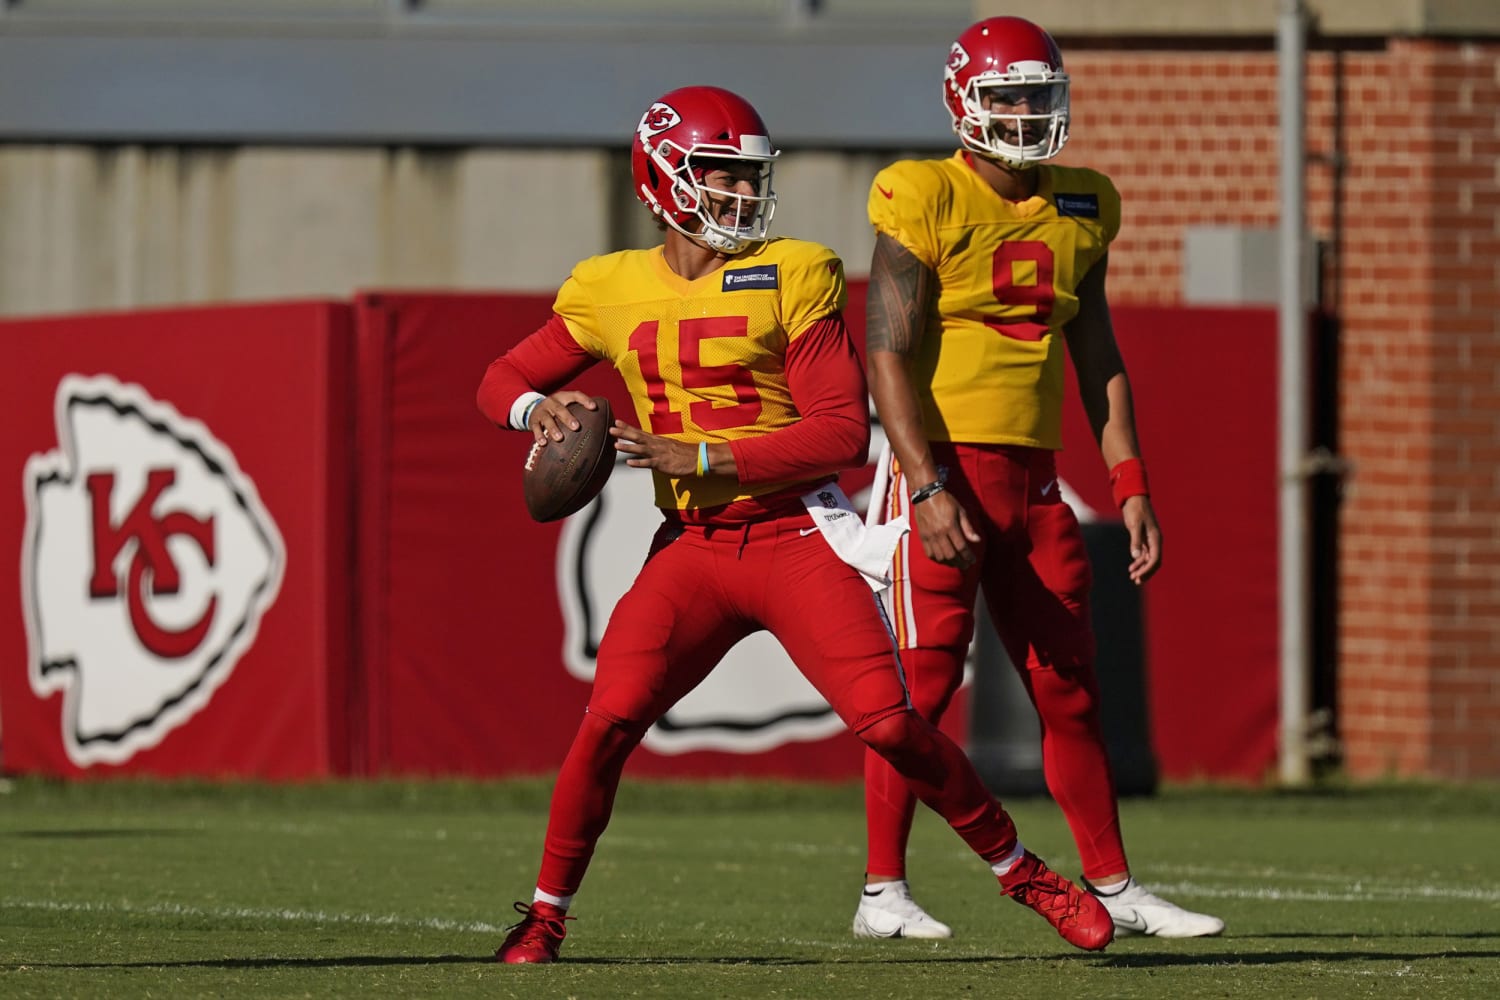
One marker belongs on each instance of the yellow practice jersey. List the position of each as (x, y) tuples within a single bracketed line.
[(704, 360), (989, 367)]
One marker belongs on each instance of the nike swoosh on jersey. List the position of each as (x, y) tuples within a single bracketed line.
[(1048, 488), (889, 194), (804, 532)]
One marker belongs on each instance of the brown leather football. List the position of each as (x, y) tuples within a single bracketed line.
[(565, 475)]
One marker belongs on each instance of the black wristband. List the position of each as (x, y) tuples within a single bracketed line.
[(927, 492)]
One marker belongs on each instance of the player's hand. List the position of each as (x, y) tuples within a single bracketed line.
[(947, 536), (550, 419), (649, 451), (1145, 539)]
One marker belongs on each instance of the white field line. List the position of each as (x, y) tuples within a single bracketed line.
[(1271, 873), (251, 913), (1356, 892), (1342, 888)]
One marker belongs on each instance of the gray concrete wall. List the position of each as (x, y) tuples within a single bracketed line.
[(109, 227)]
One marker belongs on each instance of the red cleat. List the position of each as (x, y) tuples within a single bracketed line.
[(1080, 918), (537, 937)]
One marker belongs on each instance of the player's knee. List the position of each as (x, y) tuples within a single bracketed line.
[(1066, 699), (898, 735), (909, 744), (608, 738)]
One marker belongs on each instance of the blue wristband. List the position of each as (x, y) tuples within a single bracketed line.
[(702, 458), (526, 413)]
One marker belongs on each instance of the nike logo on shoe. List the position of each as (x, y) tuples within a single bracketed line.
[(1129, 920)]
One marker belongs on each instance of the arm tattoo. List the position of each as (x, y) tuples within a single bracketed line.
[(899, 286)]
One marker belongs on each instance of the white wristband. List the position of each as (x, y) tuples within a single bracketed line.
[(518, 409)]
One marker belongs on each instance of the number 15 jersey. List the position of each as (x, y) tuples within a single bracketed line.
[(704, 360), (989, 368)]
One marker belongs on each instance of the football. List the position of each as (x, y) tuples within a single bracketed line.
[(565, 475)]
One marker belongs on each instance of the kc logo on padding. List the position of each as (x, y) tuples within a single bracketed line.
[(151, 564), (148, 563)]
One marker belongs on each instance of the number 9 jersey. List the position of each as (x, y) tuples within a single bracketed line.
[(704, 360), (989, 366)]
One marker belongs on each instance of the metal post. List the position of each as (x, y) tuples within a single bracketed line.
[(1292, 393)]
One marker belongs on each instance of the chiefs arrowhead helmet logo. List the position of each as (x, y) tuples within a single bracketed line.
[(958, 58), (658, 118)]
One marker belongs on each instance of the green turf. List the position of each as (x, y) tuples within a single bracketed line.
[(127, 889)]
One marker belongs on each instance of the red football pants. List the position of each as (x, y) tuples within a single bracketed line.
[(700, 592), (1034, 573)]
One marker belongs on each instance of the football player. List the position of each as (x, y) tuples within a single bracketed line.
[(988, 267), (750, 398)]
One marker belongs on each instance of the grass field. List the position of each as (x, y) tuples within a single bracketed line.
[(738, 890)]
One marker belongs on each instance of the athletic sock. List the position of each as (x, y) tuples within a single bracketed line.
[(1002, 867), (1111, 890), (879, 888)]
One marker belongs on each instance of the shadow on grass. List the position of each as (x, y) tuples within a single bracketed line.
[(1153, 960), (351, 961), (1160, 961), (357, 961), (97, 834), (1373, 935)]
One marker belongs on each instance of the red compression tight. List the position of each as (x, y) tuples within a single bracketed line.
[(931, 767)]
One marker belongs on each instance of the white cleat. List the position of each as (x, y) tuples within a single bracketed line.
[(1136, 911), (888, 911)]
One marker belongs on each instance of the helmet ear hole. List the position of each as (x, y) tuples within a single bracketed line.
[(652, 173)]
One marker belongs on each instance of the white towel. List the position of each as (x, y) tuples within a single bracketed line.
[(879, 489), (868, 548)]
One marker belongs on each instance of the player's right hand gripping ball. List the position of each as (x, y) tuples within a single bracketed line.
[(565, 475)]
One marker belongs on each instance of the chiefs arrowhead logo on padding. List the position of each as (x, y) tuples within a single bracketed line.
[(148, 564)]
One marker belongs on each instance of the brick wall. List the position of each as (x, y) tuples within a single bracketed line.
[(1403, 185)]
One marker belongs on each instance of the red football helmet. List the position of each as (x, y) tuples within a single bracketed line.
[(1006, 63), (679, 139)]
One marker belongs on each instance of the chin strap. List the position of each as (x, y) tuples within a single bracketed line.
[(722, 243)]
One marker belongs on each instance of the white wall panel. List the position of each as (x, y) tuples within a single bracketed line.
[(525, 217), (304, 222)]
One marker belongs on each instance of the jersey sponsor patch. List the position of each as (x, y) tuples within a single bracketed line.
[(1082, 206), (741, 279)]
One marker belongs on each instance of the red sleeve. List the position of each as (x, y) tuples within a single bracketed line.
[(544, 362), (827, 384)]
